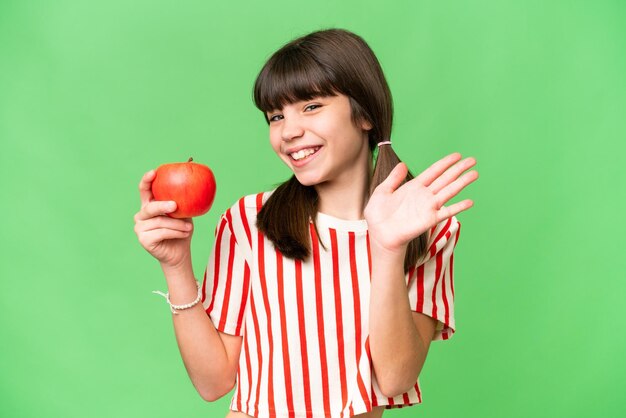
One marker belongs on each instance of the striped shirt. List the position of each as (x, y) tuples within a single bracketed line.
[(305, 349)]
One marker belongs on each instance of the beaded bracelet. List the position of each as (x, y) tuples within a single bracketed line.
[(175, 308)]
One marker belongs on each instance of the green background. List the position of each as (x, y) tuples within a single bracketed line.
[(93, 94)]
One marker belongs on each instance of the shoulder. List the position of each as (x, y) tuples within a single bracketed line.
[(240, 217), (443, 235), (444, 230), (248, 205), (253, 201)]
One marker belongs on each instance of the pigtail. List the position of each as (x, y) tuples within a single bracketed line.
[(284, 218), (386, 160)]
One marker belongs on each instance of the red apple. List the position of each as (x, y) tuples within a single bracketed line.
[(190, 185)]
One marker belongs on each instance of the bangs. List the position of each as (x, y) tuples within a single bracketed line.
[(292, 75)]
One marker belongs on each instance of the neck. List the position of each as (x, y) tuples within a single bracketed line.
[(346, 198)]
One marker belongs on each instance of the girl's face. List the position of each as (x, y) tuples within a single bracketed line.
[(318, 140)]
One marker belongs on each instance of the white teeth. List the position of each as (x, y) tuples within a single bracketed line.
[(303, 153)]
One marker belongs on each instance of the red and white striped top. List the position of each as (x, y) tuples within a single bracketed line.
[(305, 350)]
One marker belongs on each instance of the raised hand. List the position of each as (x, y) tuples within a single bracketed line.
[(397, 214), (167, 239)]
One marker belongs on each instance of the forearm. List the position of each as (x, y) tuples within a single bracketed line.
[(396, 348), (201, 348)]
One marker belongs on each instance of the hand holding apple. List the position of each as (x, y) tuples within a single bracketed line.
[(178, 190), (191, 185), (167, 239)]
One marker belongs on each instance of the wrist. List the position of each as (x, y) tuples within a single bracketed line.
[(387, 251), (181, 307), (181, 282), (181, 268)]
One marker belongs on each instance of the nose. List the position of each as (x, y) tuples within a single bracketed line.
[(292, 128)]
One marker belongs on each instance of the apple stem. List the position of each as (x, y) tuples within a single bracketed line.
[(190, 159)]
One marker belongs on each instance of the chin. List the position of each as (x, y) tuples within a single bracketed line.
[(308, 180)]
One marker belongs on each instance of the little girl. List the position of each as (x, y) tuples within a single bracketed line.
[(321, 297)]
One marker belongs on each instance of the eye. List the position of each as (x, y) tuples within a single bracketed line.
[(275, 117), (312, 107)]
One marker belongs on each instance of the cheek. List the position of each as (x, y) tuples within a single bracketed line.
[(275, 143)]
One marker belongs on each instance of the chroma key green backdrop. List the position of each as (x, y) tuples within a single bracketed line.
[(94, 94)]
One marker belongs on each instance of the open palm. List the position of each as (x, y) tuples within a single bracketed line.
[(397, 214)]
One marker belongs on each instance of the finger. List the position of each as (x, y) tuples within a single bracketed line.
[(395, 178), (455, 187), (451, 174), (431, 173), (151, 238), (145, 187), (155, 208), (454, 209), (163, 222)]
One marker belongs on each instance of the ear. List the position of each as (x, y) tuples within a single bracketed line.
[(365, 125)]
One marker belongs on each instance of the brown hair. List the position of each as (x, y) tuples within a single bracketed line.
[(325, 63)]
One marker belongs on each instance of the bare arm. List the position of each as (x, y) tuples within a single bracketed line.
[(210, 356), (399, 338), (396, 214)]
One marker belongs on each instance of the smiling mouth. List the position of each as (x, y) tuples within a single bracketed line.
[(303, 154)]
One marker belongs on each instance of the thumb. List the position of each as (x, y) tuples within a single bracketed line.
[(395, 177)]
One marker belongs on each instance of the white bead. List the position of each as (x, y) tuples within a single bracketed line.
[(175, 308)]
